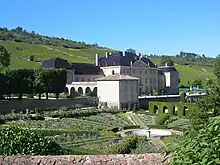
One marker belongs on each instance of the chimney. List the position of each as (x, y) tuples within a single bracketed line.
[(123, 53), (106, 54), (97, 59)]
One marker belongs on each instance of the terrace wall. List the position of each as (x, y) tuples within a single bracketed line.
[(8, 105), (144, 159)]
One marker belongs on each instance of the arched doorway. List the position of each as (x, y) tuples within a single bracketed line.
[(155, 109), (72, 92), (165, 109), (80, 91), (95, 91), (185, 111), (175, 109), (87, 91)]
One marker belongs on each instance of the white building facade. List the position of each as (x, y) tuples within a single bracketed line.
[(119, 91)]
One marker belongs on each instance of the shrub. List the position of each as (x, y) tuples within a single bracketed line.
[(17, 141), (161, 118), (200, 148), (124, 146)]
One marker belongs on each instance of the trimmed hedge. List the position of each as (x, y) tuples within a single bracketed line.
[(181, 108), (132, 127)]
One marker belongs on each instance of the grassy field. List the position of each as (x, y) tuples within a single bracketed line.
[(20, 53), (191, 72)]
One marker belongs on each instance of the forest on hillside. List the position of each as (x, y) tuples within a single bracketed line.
[(21, 35)]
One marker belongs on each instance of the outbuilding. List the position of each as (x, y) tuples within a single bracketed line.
[(119, 91)]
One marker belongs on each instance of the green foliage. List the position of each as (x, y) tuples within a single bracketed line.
[(28, 81), (196, 82), (154, 92), (182, 96), (217, 69), (161, 118), (166, 60), (180, 124), (4, 57), (76, 113), (21, 35), (17, 141), (206, 107), (124, 146), (181, 108), (200, 148)]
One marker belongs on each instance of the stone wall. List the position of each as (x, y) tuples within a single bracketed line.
[(144, 159), (8, 105)]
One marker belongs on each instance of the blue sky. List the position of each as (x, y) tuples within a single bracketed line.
[(150, 26)]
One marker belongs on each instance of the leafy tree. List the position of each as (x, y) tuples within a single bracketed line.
[(201, 148), (18, 141), (154, 92), (5, 58), (196, 82), (166, 60), (217, 69), (59, 77), (207, 107), (130, 50), (209, 82)]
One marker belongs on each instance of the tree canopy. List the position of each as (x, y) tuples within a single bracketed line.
[(5, 58), (217, 69), (166, 60)]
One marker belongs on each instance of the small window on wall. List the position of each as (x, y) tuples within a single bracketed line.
[(113, 72), (140, 71), (124, 71), (145, 71), (133, 71), (88, 80), (83, 80), (146, 80)]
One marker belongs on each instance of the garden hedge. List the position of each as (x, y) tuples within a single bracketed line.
[(156, 107)]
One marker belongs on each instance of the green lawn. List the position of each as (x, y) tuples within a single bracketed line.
[(191, 72), (20, 53)]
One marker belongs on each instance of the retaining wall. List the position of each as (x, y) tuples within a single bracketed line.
[(8, 105), (144, 159)]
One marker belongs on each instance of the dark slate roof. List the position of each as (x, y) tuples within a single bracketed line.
[(117, 59), (168, 68), (86, 68), (116, 77), (56, 63)]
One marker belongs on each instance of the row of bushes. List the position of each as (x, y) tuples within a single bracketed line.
[(81, 113)]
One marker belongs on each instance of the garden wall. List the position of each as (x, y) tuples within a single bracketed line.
[(145, 159), (8, 105), (172, 108)]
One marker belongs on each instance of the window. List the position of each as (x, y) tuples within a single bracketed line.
[(146, 80), (83, 80), (151, 81), (124, 71), (88, 80), (140, 71), (145, 71), (146, 89), (113, 72), (133, 71)]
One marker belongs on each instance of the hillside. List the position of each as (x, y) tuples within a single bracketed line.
[(29, 50), (21, 52)]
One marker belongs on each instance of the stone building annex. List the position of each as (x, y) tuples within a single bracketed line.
[(117, 78)]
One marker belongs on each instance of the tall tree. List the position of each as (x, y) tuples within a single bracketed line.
[(166, 60), (5, 57), (217, 68)]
